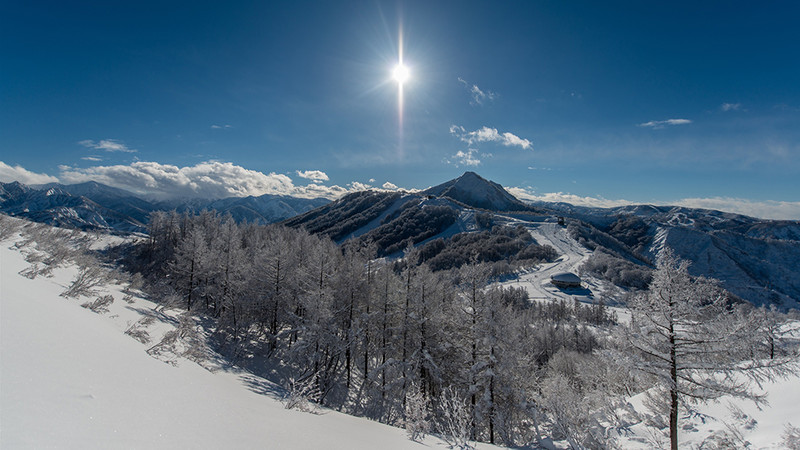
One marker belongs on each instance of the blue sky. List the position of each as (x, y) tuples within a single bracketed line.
[(603, 103)]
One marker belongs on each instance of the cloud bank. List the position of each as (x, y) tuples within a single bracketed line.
[(767, 209), (24, 176), (210, 179)]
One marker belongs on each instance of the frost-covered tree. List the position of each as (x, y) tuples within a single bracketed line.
[(191, 258), (698, 346)]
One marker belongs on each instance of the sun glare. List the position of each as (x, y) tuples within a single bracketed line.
[(400, 73)]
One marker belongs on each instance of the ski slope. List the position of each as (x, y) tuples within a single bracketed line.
[(571, 255), (71, 378)]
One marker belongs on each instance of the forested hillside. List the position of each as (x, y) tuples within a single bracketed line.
[(449, 350)]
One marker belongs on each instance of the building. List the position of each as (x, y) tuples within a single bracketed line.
[(565, 280)]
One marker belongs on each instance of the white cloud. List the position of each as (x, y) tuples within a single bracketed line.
[(92, 158), (358, 186), (320, 191), (210, 179), (317, 176), (486, 134), (390, 186), (467, 158), (479, 96), (220, 127), (24, 176), (109, 145), (372, 180), (598, 202), (657, 124), (767, 209), (731, 107)]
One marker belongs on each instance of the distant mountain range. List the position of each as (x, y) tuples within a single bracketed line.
[(757, 260), (93, 205)]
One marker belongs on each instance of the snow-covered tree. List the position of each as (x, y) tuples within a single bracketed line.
[(698, 346)]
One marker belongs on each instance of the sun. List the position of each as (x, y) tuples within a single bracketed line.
[(401, 73)]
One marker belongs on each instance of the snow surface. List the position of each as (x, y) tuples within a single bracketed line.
[(71, 378), (762, 427)]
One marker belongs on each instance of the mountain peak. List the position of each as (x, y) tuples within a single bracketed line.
[(478, 192)]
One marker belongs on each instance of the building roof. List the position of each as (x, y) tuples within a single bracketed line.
[(565, 277)]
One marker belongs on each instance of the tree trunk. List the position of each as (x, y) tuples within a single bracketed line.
[(673, 392), (367, 321)]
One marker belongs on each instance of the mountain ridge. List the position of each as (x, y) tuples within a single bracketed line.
[(756, 259), (93, 205)]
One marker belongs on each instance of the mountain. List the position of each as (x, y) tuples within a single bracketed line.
[(395, 220), (93, 205), (263, 209), (473, 190), (56, 206), (119, 200), (755, 259)]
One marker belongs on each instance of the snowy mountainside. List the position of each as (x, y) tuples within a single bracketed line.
[(55, 206), (390, 220), (762, 271), (93, 205), (263, 209), (347, 215), (74, 377), (119, 200), (755, 259)]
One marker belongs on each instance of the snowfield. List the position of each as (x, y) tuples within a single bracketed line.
[(71, 378)]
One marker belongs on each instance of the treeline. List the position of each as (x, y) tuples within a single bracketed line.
[(408, 226), (395, 342), (512, 246), (346, 215)]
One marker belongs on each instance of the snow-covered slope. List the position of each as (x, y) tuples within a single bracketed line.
[(94, 205), (56, 206), (71, 378), (735, 422), (761, 271)]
